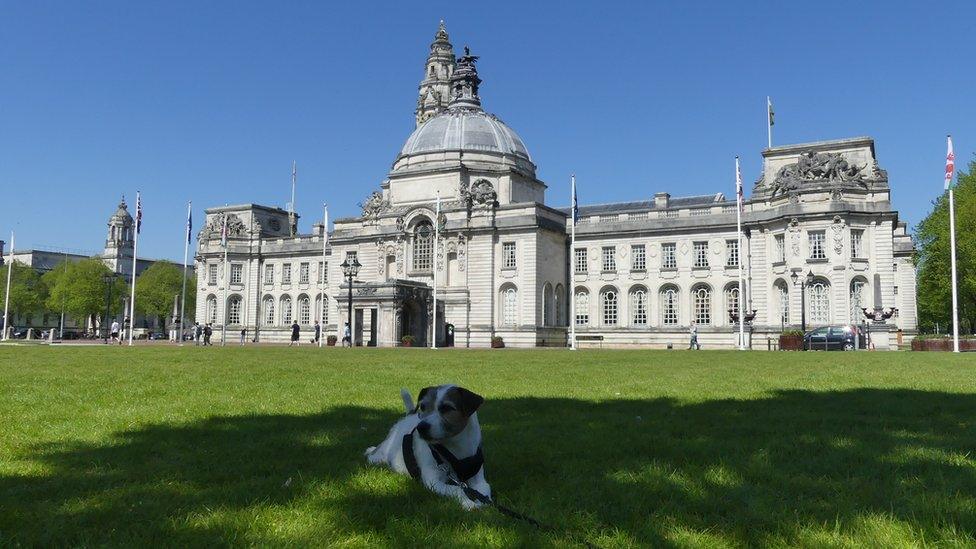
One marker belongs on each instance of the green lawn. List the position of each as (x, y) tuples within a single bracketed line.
[(263, 446)]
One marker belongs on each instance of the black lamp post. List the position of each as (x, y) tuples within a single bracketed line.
[(803, 297), (108, 279), (350, 270)]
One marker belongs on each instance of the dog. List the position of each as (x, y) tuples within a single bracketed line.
[(443, 435)]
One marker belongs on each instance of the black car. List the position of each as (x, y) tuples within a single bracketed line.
[(834, 338)]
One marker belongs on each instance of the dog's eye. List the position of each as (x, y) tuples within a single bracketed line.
[(447, 408)]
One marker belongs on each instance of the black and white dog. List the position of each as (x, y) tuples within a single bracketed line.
[(438, 442)]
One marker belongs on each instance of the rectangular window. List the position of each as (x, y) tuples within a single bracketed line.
[(508, 253), (638, 257), (857, 239), (609, 259), (669, 259), (323, 271), (212, 274), (580, 266), (818, 249), (731, 253), (303, 273), (780, 240), (286, 273), (701, 255), (269, 274), (236, 273)]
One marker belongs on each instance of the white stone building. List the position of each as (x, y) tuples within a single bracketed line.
[(641, 273)]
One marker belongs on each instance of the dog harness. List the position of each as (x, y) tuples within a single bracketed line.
[(464, 469)]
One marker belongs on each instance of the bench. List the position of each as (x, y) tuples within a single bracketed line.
[(591, 338)]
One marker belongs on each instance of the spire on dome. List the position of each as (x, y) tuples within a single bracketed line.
[(435, 88), (465, 82)]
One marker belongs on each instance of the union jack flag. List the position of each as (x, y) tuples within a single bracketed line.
[(738, 186)]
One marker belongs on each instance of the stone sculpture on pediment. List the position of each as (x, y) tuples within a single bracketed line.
[(214, 228), (818, 168), (373, 207)]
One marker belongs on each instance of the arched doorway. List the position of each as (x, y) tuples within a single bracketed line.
[(413, 321)]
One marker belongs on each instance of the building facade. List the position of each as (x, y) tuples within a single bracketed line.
[(640, 273)]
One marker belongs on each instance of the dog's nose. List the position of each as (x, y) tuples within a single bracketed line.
[(424, 429)]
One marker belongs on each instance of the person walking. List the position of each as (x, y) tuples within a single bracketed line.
[(243, 335), (115, 331), (318, 332), (295, 333), (694, 338), (346, 337), (197, 333), (207, 332)]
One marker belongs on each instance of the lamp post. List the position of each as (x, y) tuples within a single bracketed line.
[(350, 270), (803, 296), (108, 279)]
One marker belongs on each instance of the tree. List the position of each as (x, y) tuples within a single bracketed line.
[(934, 263), (27, 291), (157, 286), (81, 287)]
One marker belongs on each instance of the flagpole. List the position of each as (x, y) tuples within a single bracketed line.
[(291, 210), (769, 122), (738, 228), (950, 168), (135, 255), (437, 234), (6, 294), (572, 266), (186, 251), (223, 322), (325, 243)]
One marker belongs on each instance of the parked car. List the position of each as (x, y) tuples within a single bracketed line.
[(834, 338)]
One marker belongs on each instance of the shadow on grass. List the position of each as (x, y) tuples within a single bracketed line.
[(772, 470)]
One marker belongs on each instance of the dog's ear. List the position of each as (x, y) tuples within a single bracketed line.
[(420, 396), (468, 401)]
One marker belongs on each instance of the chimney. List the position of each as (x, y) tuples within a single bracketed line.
[(661, 200)]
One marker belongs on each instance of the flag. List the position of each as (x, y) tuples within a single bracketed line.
[(189, 221), (769, 110), (575, 203), (738, 185), (138, 213), (223, 233), (950, 165)]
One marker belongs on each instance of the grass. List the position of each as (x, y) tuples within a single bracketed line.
[(263, 446)]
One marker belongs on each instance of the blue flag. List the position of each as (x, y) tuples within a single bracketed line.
[(189, 221)]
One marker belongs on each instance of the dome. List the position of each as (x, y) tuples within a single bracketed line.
[(466, 130)]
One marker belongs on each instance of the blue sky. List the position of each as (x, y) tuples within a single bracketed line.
[(211, 101)]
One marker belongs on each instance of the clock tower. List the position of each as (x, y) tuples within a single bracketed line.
[(435, 88)]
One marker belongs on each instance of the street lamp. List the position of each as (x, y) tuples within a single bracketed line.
[(108, 279), (350, 270), (803, 297)]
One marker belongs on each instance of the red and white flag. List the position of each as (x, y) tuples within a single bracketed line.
[(738, 185), (950, 164)]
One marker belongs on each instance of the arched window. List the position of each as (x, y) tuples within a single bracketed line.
[(819, 296), (858, 287), (783, 302), (702, 305), (423, 246), (510, 306), (269, 311), (548, 306), (319, 313), (304, 310), (582, 307), (669, 306), (608, 300), (212, 310), (638, 306), (286, 311), (732, 302), (234, 307), (560, 306)]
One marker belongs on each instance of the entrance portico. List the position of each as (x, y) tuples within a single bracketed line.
[(384, 312)]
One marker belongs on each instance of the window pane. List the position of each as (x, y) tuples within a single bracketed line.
[(703, 306), (610, 308), (669, 259), (669, 307), (423, 247), (582, 308), (580, 261)]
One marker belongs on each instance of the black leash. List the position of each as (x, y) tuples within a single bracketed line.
[(444, 456)]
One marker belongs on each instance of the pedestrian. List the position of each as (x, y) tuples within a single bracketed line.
[(197, 333), (207, 332), (694, 338), (295, 334), (346, 338), (318, 332), (115, 331), (243, 335), (123, 329)]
